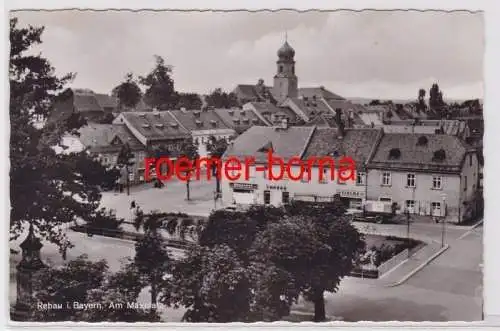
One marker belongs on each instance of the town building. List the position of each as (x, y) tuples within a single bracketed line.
[(155, 130), (203, 124), (305, 143), (425, 174), (107, 140), (450, 127), (94, 107), (239, 120), (272, 114)]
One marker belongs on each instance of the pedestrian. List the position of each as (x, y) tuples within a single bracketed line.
[(132, 204)]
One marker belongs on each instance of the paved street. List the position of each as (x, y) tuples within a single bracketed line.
[(170, 198), (449, 288)]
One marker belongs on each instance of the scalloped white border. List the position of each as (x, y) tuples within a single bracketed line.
[(492, 119)]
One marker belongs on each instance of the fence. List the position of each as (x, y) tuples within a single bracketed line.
[(392, 262)]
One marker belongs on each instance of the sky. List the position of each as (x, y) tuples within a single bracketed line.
[(369, 54)]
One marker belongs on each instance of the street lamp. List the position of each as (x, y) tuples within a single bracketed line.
[(407, 213), (443, 212)]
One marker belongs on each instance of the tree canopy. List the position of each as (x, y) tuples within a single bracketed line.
[(47, 188), (128, 93), (160, 92), (221, 99)]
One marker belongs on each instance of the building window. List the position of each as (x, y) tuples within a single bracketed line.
[(436, 209), (470, 160), (410, 180), (360, 178), (436, 182), (324, 179), (285, 197), (386, 178), (410, 206), (293, 70), (385, 199), (465, 183), (267, 197), (281, 69)]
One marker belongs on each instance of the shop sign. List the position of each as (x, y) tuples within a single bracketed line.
[(243, 186), (352, 194), (276, 187)]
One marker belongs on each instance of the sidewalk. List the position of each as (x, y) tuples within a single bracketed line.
[(415, 261)]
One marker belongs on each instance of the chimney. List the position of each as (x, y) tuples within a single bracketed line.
[(340, 123)]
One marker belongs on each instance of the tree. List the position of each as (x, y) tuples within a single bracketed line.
[(87, 282), (213, 284), (188, 101), (216, 148), (160, 92), (374, 102), (316, 255), (151, 256), (68, 284), (189, 151), (221, 99), (47, 188), (436, 101), (128, 92), (421, 106), (125, 161)]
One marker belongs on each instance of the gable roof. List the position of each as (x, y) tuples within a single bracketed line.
[(106, 101), (309, 107), (419, 157), (253, 92), (199, 120), (269, 111), (286, 143), (99, 137), (319, 92), (154, 126), (239, 119), (356, 143)]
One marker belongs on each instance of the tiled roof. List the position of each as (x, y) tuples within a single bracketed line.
[(156, 125), (199, 120), (239, 119), (99, 137), (356, 143), (252, 92), (323, 120), (86, 102), (319, 92), (268, 111), (285, 142), (347, 106), (310, 107), (419, 157), (106, 101)]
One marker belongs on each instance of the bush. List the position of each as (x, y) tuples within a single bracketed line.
[(104, 220)]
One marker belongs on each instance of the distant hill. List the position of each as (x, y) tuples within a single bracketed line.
[(364, 101)]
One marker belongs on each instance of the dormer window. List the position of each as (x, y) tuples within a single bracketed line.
[(422, 141), (439, 155), (394, 154), (174, 125), (199, 123), (236, 120), (159, 125), (142, 115), (231, 112), (242, 113), (255, 120), (213, 122), (196, 113), (147, 126)]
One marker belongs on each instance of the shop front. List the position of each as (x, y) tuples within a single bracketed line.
[(244, 193), (353, 199)]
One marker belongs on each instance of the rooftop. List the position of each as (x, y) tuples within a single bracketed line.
[(285, 143), (415, 155), (239, 119), (199, 120), (103, 137), (155, 125)]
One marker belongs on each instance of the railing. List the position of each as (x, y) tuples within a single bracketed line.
[(392, 262)]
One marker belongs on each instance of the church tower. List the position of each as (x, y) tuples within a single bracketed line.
[(285, 80)]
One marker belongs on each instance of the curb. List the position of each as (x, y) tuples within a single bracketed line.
[(420, 267), (471, 229)]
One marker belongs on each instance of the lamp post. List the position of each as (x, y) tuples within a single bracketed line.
[(407, 213), (443, 212)]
